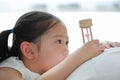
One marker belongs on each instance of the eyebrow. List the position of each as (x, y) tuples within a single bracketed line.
[(60, 36)]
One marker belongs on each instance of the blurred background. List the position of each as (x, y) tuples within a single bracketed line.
[(105, 15)]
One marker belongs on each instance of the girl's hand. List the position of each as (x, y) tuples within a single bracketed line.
[(92, 48), (109, 44)]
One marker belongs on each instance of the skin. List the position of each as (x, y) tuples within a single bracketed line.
[(49, 57), (109, 44), (51, 50)]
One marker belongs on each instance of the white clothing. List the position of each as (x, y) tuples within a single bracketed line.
[(103, 67), (15, 63)]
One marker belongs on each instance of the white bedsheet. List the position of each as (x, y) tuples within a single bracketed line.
[(103, 67)]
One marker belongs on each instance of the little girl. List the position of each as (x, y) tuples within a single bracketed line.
[(40, 49)]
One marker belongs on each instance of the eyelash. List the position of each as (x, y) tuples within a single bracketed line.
[(60, 41), (67, 42)]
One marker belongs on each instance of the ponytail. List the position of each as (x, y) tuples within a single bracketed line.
[(4, 49)]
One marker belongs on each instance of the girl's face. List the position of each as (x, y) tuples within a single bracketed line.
[(53, 47)]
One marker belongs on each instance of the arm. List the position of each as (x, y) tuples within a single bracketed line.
[(109, 44), (64, 69), (9, 74)]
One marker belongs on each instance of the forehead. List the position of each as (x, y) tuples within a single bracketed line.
[(58, 28)]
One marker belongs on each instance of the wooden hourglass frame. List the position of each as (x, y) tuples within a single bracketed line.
[(85, 26)]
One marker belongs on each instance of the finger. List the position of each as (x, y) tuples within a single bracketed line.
[(114, 44), (117, 44), (96, 41), (102, 47)]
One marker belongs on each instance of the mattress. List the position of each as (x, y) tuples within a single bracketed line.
[(103, 67)]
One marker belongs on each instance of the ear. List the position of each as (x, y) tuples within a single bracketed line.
[(26, 49)]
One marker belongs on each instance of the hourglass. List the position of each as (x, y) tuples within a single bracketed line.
[(85, 26)]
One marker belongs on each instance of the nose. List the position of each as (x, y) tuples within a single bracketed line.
[(66, 51)]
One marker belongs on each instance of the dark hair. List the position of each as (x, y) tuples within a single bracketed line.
[(29, 27)]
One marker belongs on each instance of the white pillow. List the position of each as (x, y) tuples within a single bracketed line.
[(103, 67)]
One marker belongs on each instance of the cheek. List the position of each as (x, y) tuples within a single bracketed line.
[(53, 61), (53, 57), (56, 53)]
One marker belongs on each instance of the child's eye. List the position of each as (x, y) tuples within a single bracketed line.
[(59, 41), (67, 42)]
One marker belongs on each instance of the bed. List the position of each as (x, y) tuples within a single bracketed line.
[(103, 67)]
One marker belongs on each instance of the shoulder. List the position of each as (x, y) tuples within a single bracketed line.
[(9, 74)]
